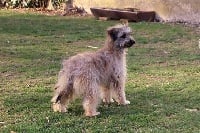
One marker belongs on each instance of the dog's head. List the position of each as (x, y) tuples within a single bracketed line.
[(121, 36)]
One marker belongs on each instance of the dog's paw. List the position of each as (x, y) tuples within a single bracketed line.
[(108, 101), (112, 100), (124, 103), (127, 102), (91, 114), (57, 107)]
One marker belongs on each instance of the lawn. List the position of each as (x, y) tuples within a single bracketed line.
[(163, 81)]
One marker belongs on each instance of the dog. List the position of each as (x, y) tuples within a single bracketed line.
[(95, 75)]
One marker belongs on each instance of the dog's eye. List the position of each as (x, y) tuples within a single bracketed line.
[(123, 36)]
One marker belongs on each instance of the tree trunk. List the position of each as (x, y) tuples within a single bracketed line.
[(69, 5), (50, 5), (1, 3)]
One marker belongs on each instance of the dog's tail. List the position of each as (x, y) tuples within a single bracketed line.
[(64, 87)]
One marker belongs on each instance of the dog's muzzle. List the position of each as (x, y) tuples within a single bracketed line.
[(130, 43)]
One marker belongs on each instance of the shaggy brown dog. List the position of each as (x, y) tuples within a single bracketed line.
[(96, 74)]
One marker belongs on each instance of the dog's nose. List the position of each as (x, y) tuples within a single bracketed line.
[(132, 41)]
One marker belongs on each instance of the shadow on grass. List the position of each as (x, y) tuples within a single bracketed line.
[(142, 101), (147, 105)]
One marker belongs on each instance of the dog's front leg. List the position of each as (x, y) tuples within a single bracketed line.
[(121, 97), (106, 95), (119, 91)]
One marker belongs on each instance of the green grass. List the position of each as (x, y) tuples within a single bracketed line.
[(163, 81)]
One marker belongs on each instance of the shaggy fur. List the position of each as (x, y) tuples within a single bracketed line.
[(94, 75)]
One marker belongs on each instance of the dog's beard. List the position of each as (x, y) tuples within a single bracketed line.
[(123, 43)]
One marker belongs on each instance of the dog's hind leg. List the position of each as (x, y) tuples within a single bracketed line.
[(63, 99), (63, 93), (91, 99)]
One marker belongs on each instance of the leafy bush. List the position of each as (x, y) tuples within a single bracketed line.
[(30, 3)]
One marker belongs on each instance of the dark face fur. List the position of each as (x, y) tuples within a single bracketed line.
[(122, 37)]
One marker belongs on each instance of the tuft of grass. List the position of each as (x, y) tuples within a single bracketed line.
[(162, 83)]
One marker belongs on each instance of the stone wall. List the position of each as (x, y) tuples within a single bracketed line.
[(168, 10)]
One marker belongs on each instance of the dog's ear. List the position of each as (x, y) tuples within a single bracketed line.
[(124, 22), (113, 33)]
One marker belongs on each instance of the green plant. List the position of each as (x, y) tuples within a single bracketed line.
[(32, 3)]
